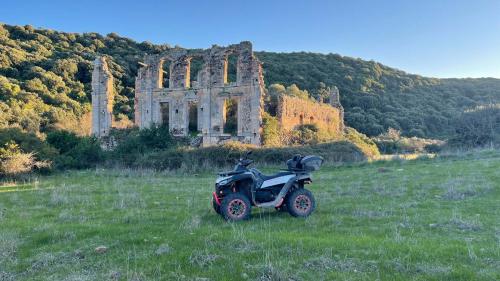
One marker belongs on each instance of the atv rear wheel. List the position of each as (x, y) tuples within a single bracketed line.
[(235, 207), (216, 207), (300, 203)]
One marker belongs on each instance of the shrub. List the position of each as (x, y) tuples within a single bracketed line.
[(75, 152), (270, 130), (87, 153), (392, 142), (14, 162), (132, 142), (366, 145), (148, 139), (305, 134), (64, 141)]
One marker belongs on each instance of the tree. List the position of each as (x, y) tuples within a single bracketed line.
[(322, 94), (294, 91), (271, 99), (62, 63)]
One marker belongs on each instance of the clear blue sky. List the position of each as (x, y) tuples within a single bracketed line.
[(439, 38)]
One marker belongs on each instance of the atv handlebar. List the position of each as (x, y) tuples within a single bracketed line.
[(245, 162)]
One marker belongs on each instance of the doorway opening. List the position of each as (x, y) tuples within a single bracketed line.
[(165, 114), (193, 118), (231, 116)]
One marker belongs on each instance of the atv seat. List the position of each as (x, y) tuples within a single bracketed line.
[(268, 177)]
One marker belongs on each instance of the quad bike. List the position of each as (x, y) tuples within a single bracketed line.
[(238, 190)]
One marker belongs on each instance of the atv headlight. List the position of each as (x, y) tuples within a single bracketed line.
[(223, 180)]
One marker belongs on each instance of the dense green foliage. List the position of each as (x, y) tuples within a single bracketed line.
[(430, 219), (361, 141), (133, 143), (225, 156), (28, 142), (155, 148), (59, 150), (75, 152), (45, 75), (270, 130), (478, 127), (45, 84), (376, 97)]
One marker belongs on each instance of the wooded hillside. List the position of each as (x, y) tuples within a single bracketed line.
[(45, 84)]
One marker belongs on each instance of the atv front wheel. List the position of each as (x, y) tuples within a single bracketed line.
[(235, 207), (300, 203)]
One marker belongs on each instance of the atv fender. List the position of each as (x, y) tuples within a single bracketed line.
[(235, 185)]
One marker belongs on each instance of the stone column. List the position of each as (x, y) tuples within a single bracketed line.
[(334, 97), (244, 66), (150, 77), (102, 98)]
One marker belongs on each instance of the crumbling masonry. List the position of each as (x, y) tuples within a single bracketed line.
[(177, 100), (293, 111), (209, 93), (102, 98)]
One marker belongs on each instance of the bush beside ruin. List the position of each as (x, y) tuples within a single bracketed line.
[(14, 162)]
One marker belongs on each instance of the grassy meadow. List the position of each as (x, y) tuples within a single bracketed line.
[(425, 219)]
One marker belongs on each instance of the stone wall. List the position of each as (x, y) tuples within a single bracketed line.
[(293, 111)]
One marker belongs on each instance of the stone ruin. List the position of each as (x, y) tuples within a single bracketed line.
[(102, 98), (329, 117), (174, 100)]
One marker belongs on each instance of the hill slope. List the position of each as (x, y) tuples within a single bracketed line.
[(45, 83)]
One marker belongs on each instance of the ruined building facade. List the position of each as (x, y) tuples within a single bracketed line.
[(165, 94), (156, 103), (102, 98)]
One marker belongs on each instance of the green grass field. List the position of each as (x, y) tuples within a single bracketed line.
[(428, 219)]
